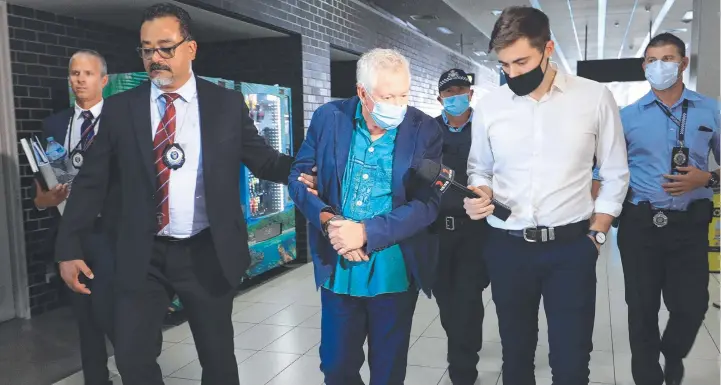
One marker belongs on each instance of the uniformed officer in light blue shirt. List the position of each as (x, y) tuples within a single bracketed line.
[(670, 133)]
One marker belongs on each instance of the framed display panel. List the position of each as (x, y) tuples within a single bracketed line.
[(269, 211)]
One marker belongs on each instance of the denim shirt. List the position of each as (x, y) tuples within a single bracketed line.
[(366, 193), (650, 138)]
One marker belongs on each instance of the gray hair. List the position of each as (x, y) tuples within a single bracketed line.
[(378, 59), (95, 54)]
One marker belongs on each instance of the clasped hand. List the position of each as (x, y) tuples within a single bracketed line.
[(348, 238)]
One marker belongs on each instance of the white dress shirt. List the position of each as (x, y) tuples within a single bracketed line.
[(74, 133), (537, 156), (187, 190)]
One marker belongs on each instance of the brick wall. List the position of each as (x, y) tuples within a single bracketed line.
[(352, 26), (41, 44)]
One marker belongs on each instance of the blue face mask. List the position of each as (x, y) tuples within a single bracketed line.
[(456, 105), (388, 116), (662, 74)]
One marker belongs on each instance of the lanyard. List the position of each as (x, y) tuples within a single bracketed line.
[(680, 123), (81, 146)]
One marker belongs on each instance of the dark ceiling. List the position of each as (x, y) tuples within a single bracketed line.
[(445, 16)]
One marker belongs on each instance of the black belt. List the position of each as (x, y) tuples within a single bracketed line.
[(180, 241), (548, 234), (698, 211), (453, 223)]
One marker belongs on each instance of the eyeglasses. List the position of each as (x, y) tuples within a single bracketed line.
[(164, 52)]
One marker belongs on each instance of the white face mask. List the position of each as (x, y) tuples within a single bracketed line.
[(662, 74)]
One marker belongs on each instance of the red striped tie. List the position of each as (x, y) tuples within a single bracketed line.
[(164, 137)]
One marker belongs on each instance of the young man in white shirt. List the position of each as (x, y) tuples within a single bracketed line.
[(533, 146)]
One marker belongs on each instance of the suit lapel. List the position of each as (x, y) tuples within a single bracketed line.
[(60, 130), (343, 138), (344, 124), (402, 159), (142, 124), (209, 114)]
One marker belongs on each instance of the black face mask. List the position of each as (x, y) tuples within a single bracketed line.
[(524, 84)]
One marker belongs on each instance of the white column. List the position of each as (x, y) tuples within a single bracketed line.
[(705, 52), (14, 301)]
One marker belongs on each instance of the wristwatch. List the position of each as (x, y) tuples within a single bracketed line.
[(713, 181), (324, 226), (599, 236)]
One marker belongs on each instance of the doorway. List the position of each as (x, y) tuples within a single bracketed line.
[(342, 73), (14, 300)]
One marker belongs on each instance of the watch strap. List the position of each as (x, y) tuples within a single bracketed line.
[(713, 181), (594, 233), (325, 225)]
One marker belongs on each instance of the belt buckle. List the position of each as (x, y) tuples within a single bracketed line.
[(547, 234), (450, 223)]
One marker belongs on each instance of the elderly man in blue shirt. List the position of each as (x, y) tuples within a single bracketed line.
[(369, 236), (664, 226)]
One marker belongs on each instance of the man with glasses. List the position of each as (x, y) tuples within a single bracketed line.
[(174, 148)]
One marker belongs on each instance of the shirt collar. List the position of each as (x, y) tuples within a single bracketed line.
[(187, 91), (687, 94), (457, 129), (95, 110)]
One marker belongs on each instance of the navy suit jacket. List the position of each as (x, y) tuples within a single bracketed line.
[(56, 125), (415, 204)]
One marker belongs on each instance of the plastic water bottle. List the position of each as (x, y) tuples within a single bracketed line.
[(55, 151)]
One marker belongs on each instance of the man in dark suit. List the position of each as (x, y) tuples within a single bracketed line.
[(75, 128), (175, 148), (370, 239)]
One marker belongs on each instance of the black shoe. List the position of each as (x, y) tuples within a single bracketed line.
[(674, 372)]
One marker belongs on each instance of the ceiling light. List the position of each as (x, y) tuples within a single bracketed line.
[(687, 17), (676, 30), (424, 17), (444, 30), (479, 53), (496, 12)]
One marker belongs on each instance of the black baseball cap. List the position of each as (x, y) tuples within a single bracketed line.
[(453, 77)]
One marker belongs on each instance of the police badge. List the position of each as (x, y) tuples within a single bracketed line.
[(679, 157), (174, 157), (660, 219), (77, 159)]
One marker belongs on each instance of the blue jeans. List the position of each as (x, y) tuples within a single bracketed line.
[(346, 322)]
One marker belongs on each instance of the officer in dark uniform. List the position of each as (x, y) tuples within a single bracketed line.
[(663, 229), (461, 271)]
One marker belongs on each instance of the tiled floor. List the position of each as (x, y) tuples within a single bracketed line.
[(277, 335)]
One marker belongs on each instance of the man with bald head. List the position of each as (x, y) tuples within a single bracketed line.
[(75, 129)]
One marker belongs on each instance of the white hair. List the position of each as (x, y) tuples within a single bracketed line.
[(378, 59)]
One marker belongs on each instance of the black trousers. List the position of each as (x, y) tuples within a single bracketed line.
[(94, 312), (190, 269), (564, 274), (459, 293), (672, 260)]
